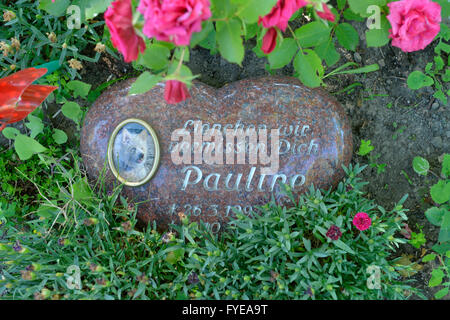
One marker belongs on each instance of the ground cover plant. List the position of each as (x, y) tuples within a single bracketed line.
[(63, 238), (330, 245)]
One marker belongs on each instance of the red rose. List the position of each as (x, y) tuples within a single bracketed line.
[(326, 13), (269, 41), (278, 17), (119, 18), (281, 13), (174, 20), (414, 23), (362, 221), (175, 92)]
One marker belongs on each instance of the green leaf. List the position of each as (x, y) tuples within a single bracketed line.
[(10, 133), (81, 190), (421, 166), (229, 37), (365, 69), (436, 278), (222, 8), (144, 83), (59, 136), (360, 6), (441, 96), (197, 37), (327, 51), (446, 220), (429, 257), (440, 192), (379, 37), (418, 79), (251, 10), (446, 166), (26, 147), (341, 4), (435, 215), (343, 246), (96, 7), (283, 53), (441, 293), (175, 255), (46, 211), (347, 36), (439, 63), (441, 248), (365, 148), (72, 110), (307, 244), (312, 34), (350, 15), (444, 235), (446, 76), (210, 42), (155, 57), (309, 68), (57, 8), (79, 88), (35, 125)]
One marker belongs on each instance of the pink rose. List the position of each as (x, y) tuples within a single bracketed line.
[(119, 18), (326, 13), (269, 41), (414, 23), (281, 13), (362, 221), (174, 20), (175, 92)]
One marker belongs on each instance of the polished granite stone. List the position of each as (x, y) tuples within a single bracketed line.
[(315, 140)]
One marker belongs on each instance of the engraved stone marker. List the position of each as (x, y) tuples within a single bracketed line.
[(222, 150)]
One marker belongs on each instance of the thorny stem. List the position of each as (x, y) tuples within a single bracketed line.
[(180, 63)]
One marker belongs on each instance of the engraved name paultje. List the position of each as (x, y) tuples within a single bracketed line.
[(197, 143)]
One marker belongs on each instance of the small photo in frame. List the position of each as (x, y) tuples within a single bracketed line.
[(134, 151)]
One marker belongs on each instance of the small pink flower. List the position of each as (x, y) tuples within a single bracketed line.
[(362, 221), (326, 13), (175, 92), (174, 20), (269, 41), (119, 19), (334, 233), (415, 23)]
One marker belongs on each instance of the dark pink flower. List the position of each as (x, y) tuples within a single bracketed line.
[(415, 23), (278, 17), (406, 231), (174, 20), (281, 13), (119, 19), (326, 13), (334, 233), (175, 92), (362, 221), (269, 41)]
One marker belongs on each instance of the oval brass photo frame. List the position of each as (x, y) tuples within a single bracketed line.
[(111, 142)]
